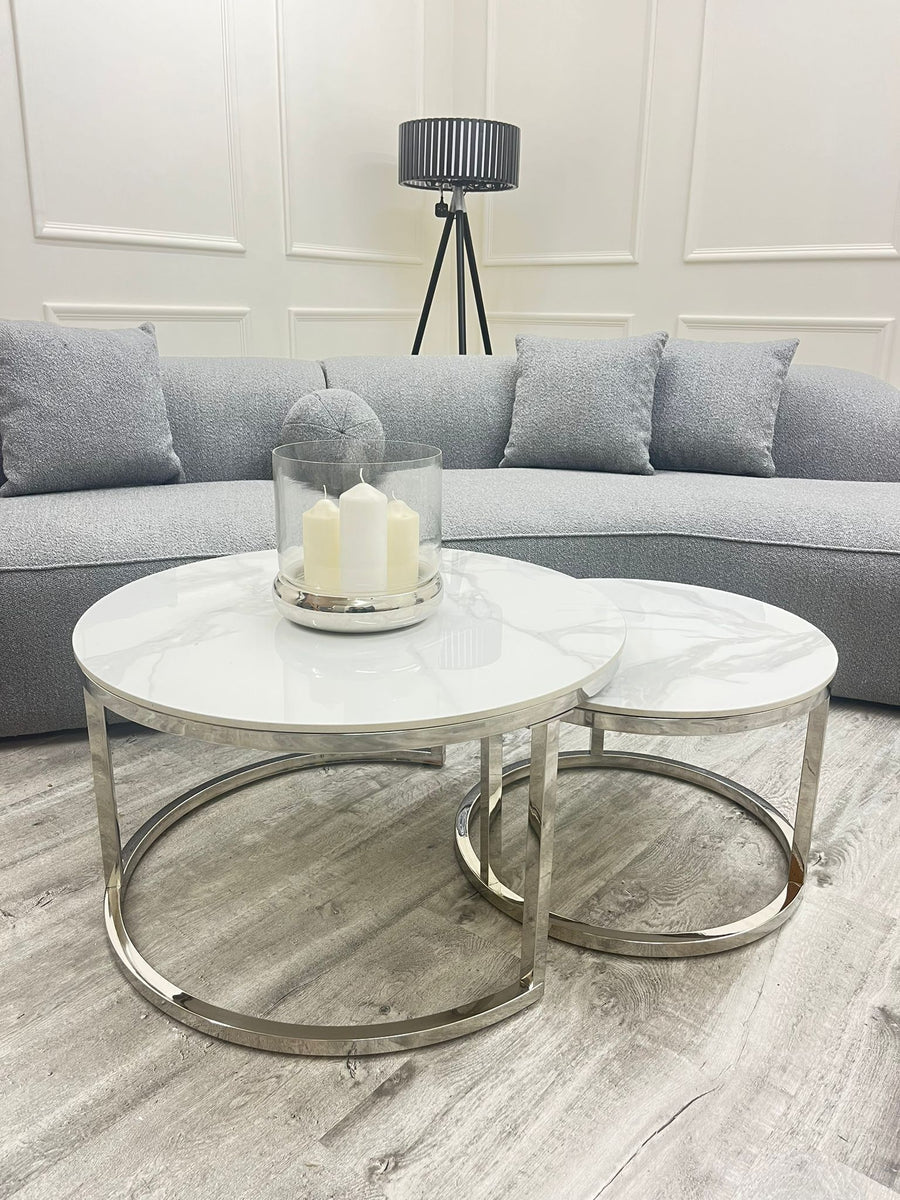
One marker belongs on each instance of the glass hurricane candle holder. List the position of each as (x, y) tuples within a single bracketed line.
[(359, 534)]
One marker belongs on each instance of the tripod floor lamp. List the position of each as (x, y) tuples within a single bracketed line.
[(459, 155)]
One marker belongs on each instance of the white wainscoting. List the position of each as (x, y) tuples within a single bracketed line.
[(341, 197), (229, 170), (328, 332), (585, 128), (180, 329), (860, 343), (797, 135), (504, 326), (156, 163)]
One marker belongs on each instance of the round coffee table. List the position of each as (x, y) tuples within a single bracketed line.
[(200, 651), (696, 662)]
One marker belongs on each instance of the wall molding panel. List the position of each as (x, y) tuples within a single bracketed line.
[(791, 253), (296, 246), (232, 321), (860, 343), (329, 332), (695, 249), (556, 324), (236, 163), (49, 227), (629, 253)]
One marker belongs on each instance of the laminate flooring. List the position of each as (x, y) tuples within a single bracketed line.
[(769, 1072)]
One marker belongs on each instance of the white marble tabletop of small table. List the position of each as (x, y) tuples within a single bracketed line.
[(696, 652)]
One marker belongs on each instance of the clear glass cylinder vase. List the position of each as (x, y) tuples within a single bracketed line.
[(359, 535)]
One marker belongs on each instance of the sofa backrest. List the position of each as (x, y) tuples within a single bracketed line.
[(837, 424), (463, 405), (226, 413)]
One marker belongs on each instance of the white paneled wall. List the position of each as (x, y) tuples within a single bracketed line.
[(349, 73), (105, 165), (583, 103), (797, 135), (225, 169), (727, 169)]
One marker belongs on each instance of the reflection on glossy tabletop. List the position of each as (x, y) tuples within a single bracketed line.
[(205, 639), (697, 651)]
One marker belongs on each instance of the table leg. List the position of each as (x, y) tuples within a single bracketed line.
[(596, 747), (104, 791), (491, 818), (813, 751), (539, 828)]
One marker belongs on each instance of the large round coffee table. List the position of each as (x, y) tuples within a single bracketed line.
[(200, 651), (697, 661)]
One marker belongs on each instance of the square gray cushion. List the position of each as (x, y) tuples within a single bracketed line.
[(81, 408), (584, 405), (715, 406)]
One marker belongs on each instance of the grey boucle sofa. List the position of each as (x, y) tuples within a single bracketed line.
[(821, 539)]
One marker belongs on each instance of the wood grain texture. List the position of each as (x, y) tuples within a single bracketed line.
[(769, 1072)]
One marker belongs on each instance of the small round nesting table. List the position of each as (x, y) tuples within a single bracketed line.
[(200, 651), (697, 661)]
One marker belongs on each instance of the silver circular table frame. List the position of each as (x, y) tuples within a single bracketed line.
[(709, 649), (161, 631)]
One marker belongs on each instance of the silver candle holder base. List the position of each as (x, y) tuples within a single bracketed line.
[(356, 614)]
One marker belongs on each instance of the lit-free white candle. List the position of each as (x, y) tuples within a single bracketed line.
[(363, 540), (402, 547), (321, 548)]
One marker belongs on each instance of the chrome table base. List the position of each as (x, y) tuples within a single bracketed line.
[(119, 864), (794, 840)]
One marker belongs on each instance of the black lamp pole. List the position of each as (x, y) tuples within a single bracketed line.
[(459, 154)]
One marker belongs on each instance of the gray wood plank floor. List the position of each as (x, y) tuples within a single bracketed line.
[(772, 1071)]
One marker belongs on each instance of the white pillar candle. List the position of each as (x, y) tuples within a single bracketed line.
[(402, 547), (321, 548), (363, 540)]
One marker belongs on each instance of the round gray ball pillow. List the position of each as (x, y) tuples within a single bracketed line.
[(336, 415)]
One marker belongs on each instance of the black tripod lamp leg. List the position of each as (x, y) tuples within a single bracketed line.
[(476, 286), (461, 279), (432, 283)]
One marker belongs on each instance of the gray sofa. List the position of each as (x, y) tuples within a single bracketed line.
[(821, 539)]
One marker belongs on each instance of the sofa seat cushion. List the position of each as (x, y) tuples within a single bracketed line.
[(510, 504), (60, 553), (123, 526), (827, 550)]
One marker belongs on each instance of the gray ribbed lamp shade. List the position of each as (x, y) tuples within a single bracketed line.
[(468, 152)]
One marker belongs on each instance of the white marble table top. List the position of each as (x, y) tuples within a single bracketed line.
[(204, 641), (695, 652)]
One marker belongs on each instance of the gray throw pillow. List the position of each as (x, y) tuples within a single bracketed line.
[(585, 405), (715, 406), (81, 408), (336, 415)]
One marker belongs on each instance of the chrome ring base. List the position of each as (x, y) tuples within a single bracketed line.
[(357, 614), (260, 1032), (643, 944)]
